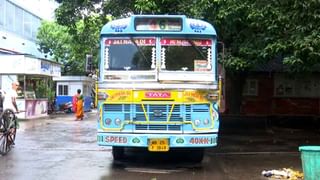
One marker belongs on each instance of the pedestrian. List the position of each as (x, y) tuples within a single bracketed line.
[(10, 98), (79, 111), (74, 100)]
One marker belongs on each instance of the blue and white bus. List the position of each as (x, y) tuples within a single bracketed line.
[(158, 85)]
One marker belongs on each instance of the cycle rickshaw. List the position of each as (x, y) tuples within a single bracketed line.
[(8, 128)]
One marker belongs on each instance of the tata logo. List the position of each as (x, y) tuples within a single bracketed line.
[(157, 95), (157, 113)]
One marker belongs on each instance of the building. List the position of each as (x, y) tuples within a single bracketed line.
[(20, 58), (270, 90), (19, 22), (67, 87)]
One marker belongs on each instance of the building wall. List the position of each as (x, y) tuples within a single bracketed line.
[(257, 94), (279, 94), (19, 26), (67, 87)]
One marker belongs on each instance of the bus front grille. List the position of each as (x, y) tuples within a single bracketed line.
[(155, 117), (157, 127), (158, 113)]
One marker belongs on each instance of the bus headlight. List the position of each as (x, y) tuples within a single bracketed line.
[(102, 96), (117, 121), (197, 122), (206, 121), (107, 121)]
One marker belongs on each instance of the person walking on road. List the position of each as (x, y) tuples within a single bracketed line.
[(79, 111), (75, 105), (74, 100)]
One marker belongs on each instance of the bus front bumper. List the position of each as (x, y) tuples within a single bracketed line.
[(143, 140)]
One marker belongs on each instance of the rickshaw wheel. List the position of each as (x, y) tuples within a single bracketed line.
[(3, 143), (8, 128)]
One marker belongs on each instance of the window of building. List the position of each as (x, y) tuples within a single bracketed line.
[(2, 13), (15, 19), (18, 20), (63, 90), (9, 19), (250, 87), (27, 21), (36, 22)]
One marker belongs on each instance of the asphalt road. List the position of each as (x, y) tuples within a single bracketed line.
[(59, 148)]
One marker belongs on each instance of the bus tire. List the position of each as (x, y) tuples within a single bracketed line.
[(117, 153)]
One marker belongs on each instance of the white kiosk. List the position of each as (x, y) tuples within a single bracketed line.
[(33, 75), (67, 87)]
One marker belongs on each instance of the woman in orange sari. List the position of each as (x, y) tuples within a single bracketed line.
[(79, 109), (74, 100)]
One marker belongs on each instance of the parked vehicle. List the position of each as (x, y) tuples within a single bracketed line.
[(158, 85), (66, 107)]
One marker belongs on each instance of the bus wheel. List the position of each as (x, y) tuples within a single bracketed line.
[(197, 155), (117, 152)]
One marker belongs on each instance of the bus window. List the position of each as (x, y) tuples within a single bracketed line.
[(130, 54), (186, 54)]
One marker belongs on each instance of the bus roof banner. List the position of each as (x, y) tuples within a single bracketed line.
[(158, 24)]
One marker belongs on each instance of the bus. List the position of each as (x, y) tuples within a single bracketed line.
[(158, 85)]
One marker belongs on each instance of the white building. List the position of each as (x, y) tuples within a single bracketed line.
[(19, 23), (20, 58)]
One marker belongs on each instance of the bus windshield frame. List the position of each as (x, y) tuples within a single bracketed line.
[(157, 58)]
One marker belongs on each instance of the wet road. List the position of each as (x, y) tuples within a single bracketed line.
[(58, 148)]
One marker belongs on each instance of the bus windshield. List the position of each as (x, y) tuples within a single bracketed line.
[(129, 53), (186, 54), (176, 54)]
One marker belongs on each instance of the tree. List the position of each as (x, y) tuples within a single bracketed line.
[(85, 40), (54, 40), (84, 21), (70, 49), (254, 32)]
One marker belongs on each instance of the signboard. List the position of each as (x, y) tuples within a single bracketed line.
[(56, 70), (20, 64), (156, 94), (12, 64), (138, 41), (201, 65), (158, 24), (33, 65), (36, 108), (185, 42)]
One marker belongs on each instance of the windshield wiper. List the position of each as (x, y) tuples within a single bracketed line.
[(139, 49), (197, 49)]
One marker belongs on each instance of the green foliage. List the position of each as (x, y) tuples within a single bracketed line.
[(260, 31), (41, 89), (54, 40), (70, 44), (253, 32), (119, 8), (85, 40)]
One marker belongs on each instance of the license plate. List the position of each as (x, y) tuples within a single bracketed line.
[(158, 145)]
